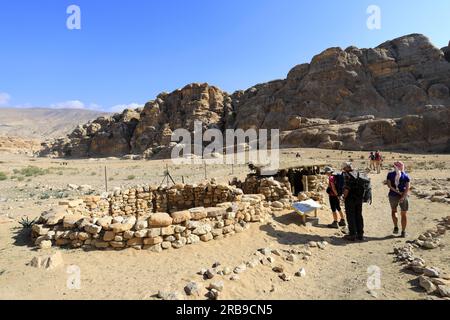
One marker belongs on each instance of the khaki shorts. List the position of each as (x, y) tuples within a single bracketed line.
[(395, 203)]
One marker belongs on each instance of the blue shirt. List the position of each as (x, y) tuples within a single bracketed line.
[(404, 179)]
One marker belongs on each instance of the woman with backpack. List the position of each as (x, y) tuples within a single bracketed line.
[(334, 194), (398, 182)]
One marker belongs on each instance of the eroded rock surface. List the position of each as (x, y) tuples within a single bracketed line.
[(395, 96)]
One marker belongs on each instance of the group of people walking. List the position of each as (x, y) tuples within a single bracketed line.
[(354, 189), (376, 161)]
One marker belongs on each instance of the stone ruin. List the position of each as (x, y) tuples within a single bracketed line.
[(302, 182), (150, 218), (160, 218)]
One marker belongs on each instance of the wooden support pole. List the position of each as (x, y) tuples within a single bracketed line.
[(106, 179)]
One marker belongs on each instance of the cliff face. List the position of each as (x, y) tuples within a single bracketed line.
[(394, 79), (179, 109), (317, 105)]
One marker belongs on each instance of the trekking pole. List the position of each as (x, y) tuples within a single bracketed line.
[(106, 180)]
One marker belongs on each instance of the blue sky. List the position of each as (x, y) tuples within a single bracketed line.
[(129, 51)]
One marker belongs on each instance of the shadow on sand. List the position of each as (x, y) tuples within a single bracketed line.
[(294, 238), (22, 237)]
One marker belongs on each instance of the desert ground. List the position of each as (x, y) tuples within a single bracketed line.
[(29, 186)]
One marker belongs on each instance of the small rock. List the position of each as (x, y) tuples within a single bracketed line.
[(235, 277), (321, 245), (277, 205), (278, 269), (444, 291), (219, 285), (164, 295), (213, 294), (312, 244), (240, 269), (46, 244), (202, 272), (285, 277), (210, 273), (252, 264), (301, 273), (373, 293), (426, 284), (430, 245), (227, 271), (291, 257), (192, 289), (431, 272), (277, 252), (266, 251)]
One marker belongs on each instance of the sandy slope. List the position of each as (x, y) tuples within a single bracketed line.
[(339, 272), (41, 123)]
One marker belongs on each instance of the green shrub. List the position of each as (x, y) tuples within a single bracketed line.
[(45, 196), (131, 177), (3, 176), (32, 171)]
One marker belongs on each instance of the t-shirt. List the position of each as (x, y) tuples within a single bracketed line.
[(404, 179), (331, 182), (372, 157)]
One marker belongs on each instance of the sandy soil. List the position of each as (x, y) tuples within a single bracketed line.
[(338, 272)]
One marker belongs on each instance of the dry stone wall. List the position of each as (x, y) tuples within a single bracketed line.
[(139, 218)]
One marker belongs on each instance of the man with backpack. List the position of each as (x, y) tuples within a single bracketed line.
[(357, 190), (372, 161), (335, 190), (398, 182), (378, 161)]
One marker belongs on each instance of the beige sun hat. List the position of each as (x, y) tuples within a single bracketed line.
[(328, 170)]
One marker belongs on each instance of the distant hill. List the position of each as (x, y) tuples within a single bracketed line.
[(40, 123)]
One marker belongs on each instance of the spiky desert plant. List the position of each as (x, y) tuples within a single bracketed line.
[(26, 223)]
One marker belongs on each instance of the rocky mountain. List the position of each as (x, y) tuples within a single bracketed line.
[(41, 123), (394, 96)]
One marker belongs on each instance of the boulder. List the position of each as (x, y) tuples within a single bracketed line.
[(198, 213), (160, 220), (180, 216)]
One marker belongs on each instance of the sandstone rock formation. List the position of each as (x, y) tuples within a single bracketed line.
[(352, 99)]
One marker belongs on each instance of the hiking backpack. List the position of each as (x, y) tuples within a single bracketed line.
[(361, 186), (339, 182)]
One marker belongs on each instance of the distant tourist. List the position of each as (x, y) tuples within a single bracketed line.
[(378, 161), (356, 189), (335, 190), (398, 182), (372, 161)]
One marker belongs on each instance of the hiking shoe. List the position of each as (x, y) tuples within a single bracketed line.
[(403, 235), (396, 230), (342, 223), (360, 238), (334, 225), (349, 238)]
